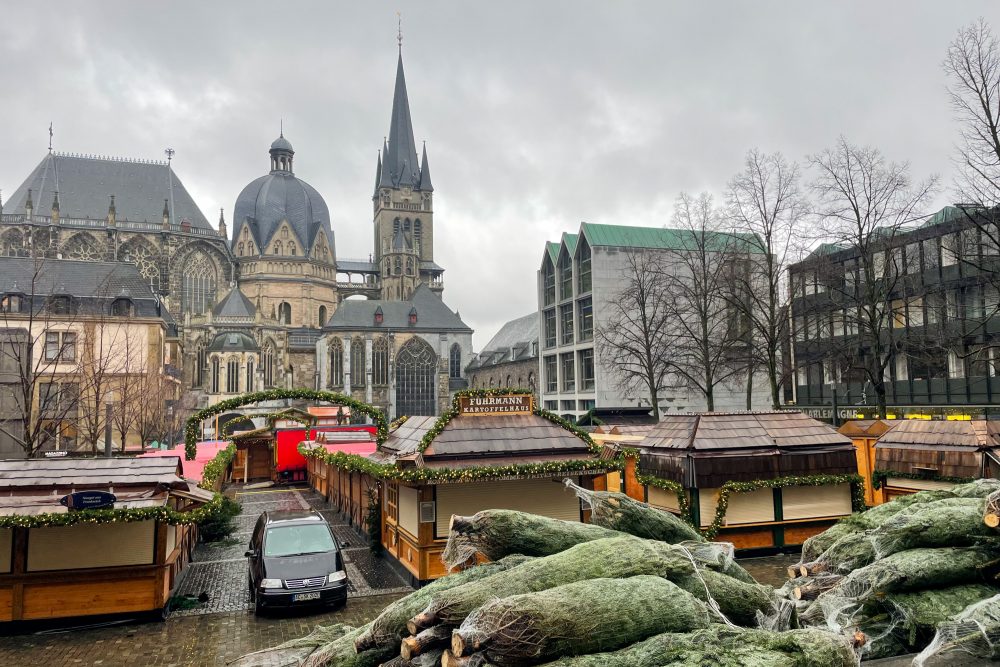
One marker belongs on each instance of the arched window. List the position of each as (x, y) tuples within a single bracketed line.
[(199, 280), (199, 371), (285, 313), (322, 316), (416, 379), (215, 375), (395, 226), (291, 249), (358, 370), (417, 235), (12, 243), (250, 382), (388, 266), (455, 361), (409, 266), (380, 362), (81, 246), (406, 225), (241, 249), (142, 254), (336, 363), (398, 267), (267, 364), (284, 231), (121, 307), (233, 376)]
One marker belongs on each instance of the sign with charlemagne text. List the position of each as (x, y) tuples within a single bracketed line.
[(512, 404)]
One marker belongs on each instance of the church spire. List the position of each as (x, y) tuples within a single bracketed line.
[(401, 151), (425, 173)]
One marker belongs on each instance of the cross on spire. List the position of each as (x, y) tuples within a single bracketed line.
[(399, 31)]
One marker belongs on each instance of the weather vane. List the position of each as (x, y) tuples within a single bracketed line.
[(399, 30), (169, 153), (50, 136)]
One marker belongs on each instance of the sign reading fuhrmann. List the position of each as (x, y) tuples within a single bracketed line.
[(511, 404)]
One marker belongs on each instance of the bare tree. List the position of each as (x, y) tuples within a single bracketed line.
[(39, 363), (863, 202), (766, 206), (633, 342), (135, 378), (706, 338), (103, 362)]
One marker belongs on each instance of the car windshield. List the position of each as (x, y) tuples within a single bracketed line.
[(297, 540)]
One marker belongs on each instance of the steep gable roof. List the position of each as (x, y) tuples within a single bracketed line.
[(432, 314)]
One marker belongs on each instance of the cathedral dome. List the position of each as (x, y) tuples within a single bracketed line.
[(281, 196)]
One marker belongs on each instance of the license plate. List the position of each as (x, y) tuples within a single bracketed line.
[(302, 597)]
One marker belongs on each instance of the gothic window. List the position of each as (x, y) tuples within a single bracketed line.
[(198, 284), (455, 361), (12, 243), (322, 316), (215, 375), (380, 362), (250, 382), (336, 363), (416, 364), (398, 267), (81, 246), (409, 266), (285, 313), (267, 365), (233, 376), (143, 256), (279, 248), (240, 251), (388, 266), (284, 233), (417, 235), (406, 226), (358, 370), (291, 249), (395, 226), (199, 371)]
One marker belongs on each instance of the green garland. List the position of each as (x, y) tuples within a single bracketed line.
[(217, 466), (397, 422), (880, 476), (683, 504), (194, 422), (382, 471), (453, 412)]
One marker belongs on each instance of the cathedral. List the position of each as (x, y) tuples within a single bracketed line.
[(272, 305)]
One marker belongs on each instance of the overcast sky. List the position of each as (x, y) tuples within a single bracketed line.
[(537, 115)]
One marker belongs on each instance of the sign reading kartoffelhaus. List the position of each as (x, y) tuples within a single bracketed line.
[(514, 404)]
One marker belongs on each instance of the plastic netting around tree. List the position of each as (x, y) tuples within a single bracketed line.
[(974, 631)]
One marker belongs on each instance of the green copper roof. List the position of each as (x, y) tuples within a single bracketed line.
[(654, 237), (553, 249), (570, 241)]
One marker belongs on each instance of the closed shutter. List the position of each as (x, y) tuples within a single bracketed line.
[(750, 507), (806, 502), (921, 484), (86, 545), (662, 499), (6, 545), (408, 510), (545, 497), (171, 539)]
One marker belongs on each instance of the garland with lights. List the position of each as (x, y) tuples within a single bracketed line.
[(879, 477), (195, 420), (454, 411), (217, 467), (397, 422)]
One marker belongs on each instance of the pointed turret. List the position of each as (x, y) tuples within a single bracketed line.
[(425, 173), (112, 213), (401, 153), (166, 215), (29, 207), (54, 213), (385, 180), (378, 175), (222, 225)]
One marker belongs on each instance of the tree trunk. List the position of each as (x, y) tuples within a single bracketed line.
[(772, 376), (749, 388)]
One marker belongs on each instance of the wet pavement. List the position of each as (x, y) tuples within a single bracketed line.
[(770, 570)]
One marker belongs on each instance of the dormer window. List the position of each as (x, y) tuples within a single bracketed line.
[(11, 303), (378, 315), (413, 316), (122, 307), (60, 305)]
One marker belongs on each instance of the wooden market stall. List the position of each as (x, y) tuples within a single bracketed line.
[(493, 452), (619, 429), (917, 455), (741, 462), (54, 564), (864, 433)]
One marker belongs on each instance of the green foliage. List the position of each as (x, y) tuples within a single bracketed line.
[(221, 523), (215, 468), (194, 422)]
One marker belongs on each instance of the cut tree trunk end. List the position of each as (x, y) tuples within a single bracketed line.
[(793, 572), (992, 520), (421, 622), (411, 647), (449, 659)]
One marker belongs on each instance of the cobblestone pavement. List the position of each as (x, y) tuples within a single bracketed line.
[(771, 570), (220, 570), (198, 641)]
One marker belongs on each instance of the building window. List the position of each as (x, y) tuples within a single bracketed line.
[(565, 276), (267, 364), (199, 371), (548, 283), (568, 372), (586, 370), (322, 316), (397, 267), (284, 313), (973, 303), (198, 285), (291, 249), (380, 362), (455, 361), (250, 382), (956, 365), (566, 323), (932, 257), (358, 370), (915, 312), (11, 303), (215, 375), (550, 327), (60, 346), (587, 404), (949, 249), (121, 307), (58, 399), (336, 363), (552, 406), (585, 315), (567, 405), (551, 374), (898, 314), (60, 305), (583, 268), (416, 364), (850, 273), (233, 376)]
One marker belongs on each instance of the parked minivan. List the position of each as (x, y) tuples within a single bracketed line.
[(294, 559)]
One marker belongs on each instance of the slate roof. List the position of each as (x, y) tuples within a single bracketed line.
[(936, 434), (85, 185), (236, 305), (399, 158), (233, 341), (432, 314), (517, 335), (83, 279), (721, 431)]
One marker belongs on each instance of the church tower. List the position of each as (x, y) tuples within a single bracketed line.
[(403, 204)]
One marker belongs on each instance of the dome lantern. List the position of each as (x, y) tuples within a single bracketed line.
[(281, 154)]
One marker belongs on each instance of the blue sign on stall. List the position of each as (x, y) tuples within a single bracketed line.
[(88, 500)]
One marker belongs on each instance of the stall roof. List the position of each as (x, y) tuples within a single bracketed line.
[(204, 452), (975, 434), (721, 431), (870, 428)]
